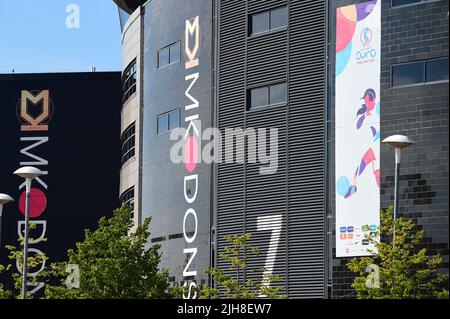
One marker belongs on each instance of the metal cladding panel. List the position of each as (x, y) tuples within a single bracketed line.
[(262, 54), (307, 74), (296, 192), (231, 99), (171, 88)]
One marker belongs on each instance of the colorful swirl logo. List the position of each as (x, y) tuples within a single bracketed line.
[(366, 37)]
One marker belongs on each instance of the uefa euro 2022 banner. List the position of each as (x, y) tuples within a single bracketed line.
[(357, 143)]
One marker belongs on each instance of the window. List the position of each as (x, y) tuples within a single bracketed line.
[(169, 55), (405, 74), (259, 97), (267, 95), (436, 70), (278, 93), (174, 120), (127, 198), (163, 57), (128, 143), (129, 81), (268, 20), (278, 18), (260, 22), (420, 72), (168, 121), (163, 123), (175, 53), (396, 3)]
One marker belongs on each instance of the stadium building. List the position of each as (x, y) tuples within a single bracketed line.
[(333, 79), (67, 125)]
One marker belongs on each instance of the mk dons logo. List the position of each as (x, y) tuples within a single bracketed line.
[(192, 30), (35, 110)]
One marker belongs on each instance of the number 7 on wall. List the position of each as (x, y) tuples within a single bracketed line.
[(272, 223)]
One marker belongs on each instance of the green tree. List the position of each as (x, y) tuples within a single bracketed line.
[(405, 271), (35, 263), (235, 255), (112, 263), (4, 293)]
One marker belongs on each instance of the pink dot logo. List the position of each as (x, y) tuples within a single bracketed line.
[(38, 202), (191, 154)]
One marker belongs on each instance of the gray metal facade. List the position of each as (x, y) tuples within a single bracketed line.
[(164, 91), (295, 54)]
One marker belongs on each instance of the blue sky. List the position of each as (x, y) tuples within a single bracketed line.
[(34, 37)]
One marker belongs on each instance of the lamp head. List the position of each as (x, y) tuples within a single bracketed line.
[(5, 199), (28, 172), (398, 141)]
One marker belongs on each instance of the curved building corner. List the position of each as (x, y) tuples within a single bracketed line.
[(167, 68), (131, 114)]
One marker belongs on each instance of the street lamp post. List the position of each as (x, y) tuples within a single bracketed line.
[(4, 199), (28, 173), (398, 142)]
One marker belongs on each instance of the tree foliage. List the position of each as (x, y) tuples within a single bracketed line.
[(15, 256), (4, 293), (406, 271), (113, 263), (235, 255)]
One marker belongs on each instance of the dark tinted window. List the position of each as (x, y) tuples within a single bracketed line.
[(411, 73), (403, 2), (420, 72), (170, 54), (260, 22), (437, 70), (175, 52), (129, 81), (278, 93), (127, 198), (128, 143), (268, 20), (278, 18), (267, 95), (259, 97), (168, 121), (163, 57), (163, 123), (174, 119)]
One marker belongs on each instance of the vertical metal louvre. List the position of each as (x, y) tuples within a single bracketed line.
[(307, 78), (230, 113), (295, 195)]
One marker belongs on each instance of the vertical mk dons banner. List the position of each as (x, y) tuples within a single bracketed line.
[(358, 33)]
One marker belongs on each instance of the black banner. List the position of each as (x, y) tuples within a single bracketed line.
[(68, 126)]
